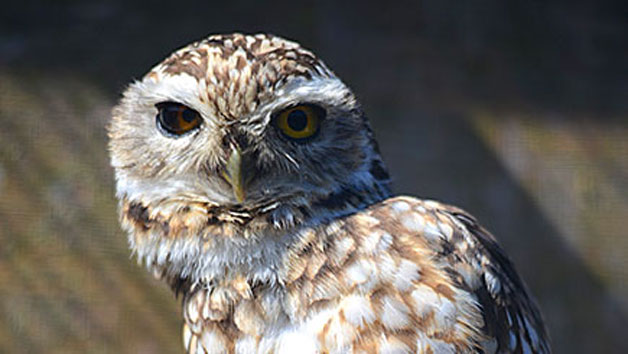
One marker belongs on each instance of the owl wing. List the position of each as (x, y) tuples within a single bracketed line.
[(511, 317)]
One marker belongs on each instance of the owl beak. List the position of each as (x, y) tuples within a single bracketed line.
[(233, 174)]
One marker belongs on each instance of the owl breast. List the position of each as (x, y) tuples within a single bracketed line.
[(362, 283)]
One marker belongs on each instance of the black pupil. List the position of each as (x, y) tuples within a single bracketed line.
[(169, 117), (189, 115), (297, 120)]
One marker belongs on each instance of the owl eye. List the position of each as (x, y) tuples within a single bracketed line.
[(299, 122), (176, 119)]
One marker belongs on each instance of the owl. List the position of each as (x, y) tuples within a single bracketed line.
[(250, 181)]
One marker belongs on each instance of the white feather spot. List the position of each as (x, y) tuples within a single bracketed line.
[(333, 228), (493, 284), (469, 275), (446, 314), (193, 345), (446, 230), (432, 204), (193, 310), (213, 342), (339, 336), (400, 206), (425, 300), (385, 242), (201, 350), (369, 243), (187, 335), (413, 222), (358, 311), (296, 342), (431, 232), (407, 274), (358, 272), (368, 221), (387, 267), (392, 345), (394, 313), (342, 249), (246, 345)]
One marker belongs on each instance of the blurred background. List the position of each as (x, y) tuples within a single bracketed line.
[(514, 110)]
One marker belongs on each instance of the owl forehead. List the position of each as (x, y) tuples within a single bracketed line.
[(236, 73)]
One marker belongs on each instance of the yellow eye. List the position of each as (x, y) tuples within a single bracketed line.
[(177, 119), (300, 122)]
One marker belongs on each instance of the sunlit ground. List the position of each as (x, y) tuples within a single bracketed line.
[(577, 173), (67, 281)]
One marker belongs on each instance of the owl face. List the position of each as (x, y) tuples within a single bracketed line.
[(244, 123)]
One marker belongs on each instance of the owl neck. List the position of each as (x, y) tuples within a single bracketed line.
[(347, 200), (360, 190), (197, 242)]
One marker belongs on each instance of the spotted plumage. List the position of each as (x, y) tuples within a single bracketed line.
[(278, 228)]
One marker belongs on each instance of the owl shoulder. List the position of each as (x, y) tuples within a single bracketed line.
[(457, 253)]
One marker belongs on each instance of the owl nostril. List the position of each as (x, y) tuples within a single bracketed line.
[(239, 140), (242, 141)]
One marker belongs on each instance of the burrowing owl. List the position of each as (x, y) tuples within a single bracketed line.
[(250, 181)]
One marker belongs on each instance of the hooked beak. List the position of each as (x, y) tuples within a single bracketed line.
[(232, 173)]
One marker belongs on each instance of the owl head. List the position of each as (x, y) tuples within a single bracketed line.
[(248, 125)]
